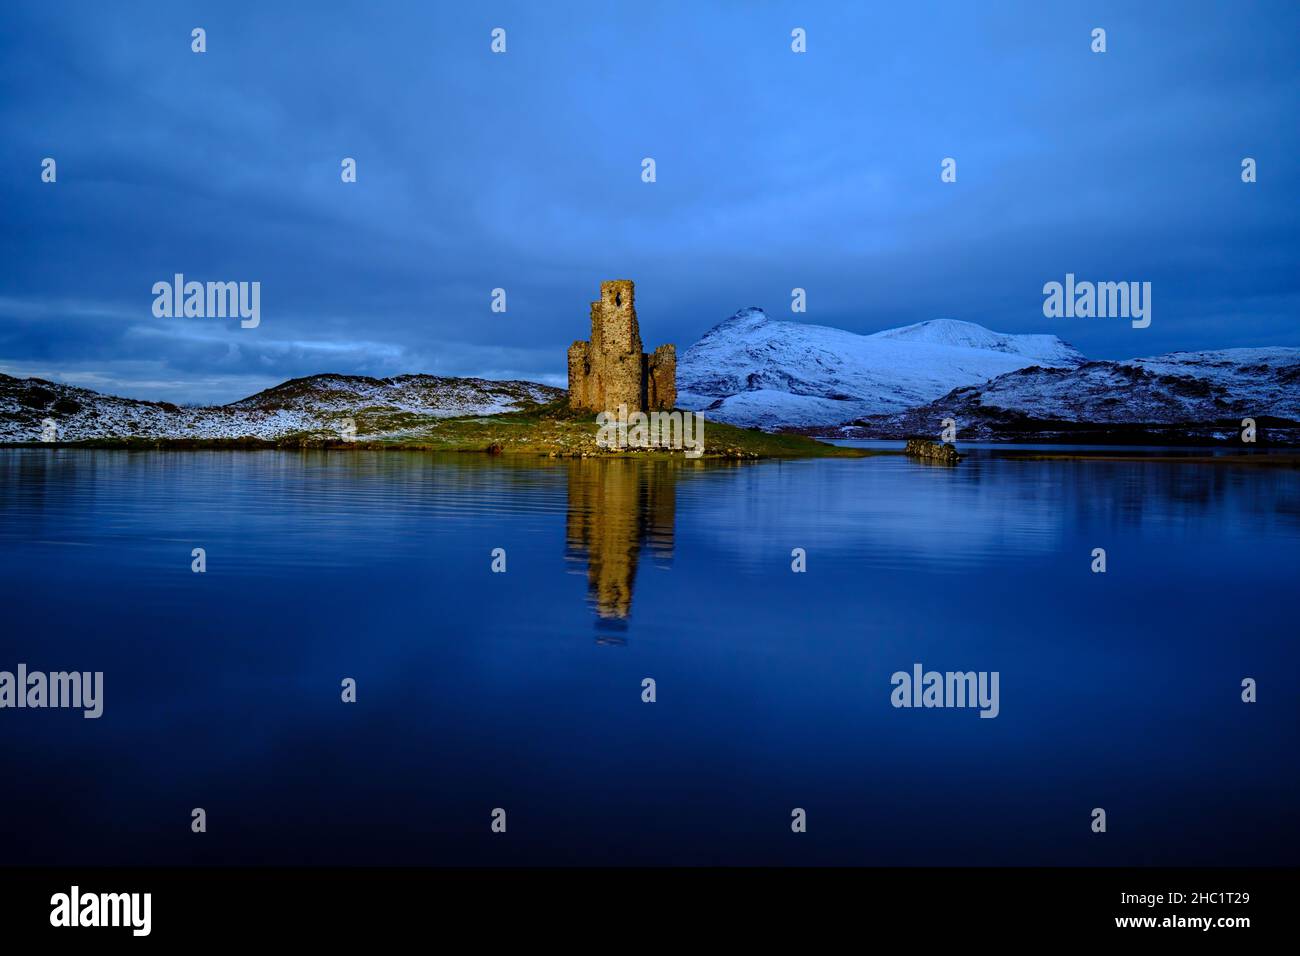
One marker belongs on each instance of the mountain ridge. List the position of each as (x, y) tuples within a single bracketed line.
[(756, 371), (752, 370), (314, 404), (1180, 396)]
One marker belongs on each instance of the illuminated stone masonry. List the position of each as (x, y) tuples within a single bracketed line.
[(611, 370)]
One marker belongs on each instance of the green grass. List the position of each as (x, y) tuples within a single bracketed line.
[(551, 430), (554, 429)]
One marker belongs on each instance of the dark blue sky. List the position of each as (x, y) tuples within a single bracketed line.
[(522, 170)]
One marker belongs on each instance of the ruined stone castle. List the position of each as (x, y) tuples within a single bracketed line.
[(611, 370)]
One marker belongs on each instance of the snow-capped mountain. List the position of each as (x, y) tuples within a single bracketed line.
[(313, 405), (1201, 394), (761, 372)]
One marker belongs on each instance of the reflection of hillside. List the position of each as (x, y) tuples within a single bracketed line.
[(615, 507)]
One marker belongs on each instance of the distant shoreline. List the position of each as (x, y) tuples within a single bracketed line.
[(1285, 459), (1278, 459)]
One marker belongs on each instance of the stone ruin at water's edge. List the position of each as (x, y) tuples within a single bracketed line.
[(611, 370)]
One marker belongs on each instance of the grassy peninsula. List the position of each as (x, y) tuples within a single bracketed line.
[(547, 429)]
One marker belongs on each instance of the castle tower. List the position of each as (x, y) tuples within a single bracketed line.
[(611, 370), (617, 332)]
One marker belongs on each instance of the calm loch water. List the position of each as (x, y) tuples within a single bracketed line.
[(523, 690)]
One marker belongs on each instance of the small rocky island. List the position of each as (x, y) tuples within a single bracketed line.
[(943, 453)]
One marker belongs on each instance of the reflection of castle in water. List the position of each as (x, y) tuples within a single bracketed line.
[(615, 507)]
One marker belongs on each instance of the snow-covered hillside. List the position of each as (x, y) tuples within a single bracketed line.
[(756, 371), (313, 405), (761, 372), (1181, 388)]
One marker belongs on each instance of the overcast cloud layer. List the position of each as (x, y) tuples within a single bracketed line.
[(522, 170)]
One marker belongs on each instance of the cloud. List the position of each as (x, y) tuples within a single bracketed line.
[(522, 171)]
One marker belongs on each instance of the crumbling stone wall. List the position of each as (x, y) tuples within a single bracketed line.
[(661, 378), (611, 370)]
